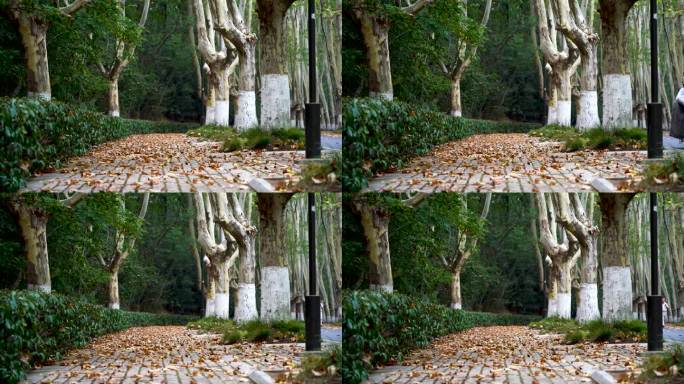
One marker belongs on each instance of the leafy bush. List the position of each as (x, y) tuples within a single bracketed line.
[(594, 331), (380, 135), (284, 330), (379, 327), (320, 368), (37, 327), (254, 138), (597, 138), (36, 135), (665, 367), (669, 172)]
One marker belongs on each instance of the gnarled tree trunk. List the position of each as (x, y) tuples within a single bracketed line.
[(33, 224), (33, 33), (375, 223)]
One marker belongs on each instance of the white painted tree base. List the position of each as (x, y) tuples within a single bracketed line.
[(588, 308), (617, 101), (386, 288), (564, 113), (382, 95), (552, 308), (114, 306), (114, 113), (456, 113), (552, 115), (275, 101), (617, 293), (564, 306), (246, 310), (222, 306), (210, 117), (47, 96), (588, 115), (222, 113), (456, 306), (245, 115), (45, 288), (275, 294), (210, 308)]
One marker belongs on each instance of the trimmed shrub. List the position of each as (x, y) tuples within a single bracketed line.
[(37, 327), (380, 327), (380, 135), (36, 135)]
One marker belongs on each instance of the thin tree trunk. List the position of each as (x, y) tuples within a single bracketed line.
[(33, 224), (33, 33), (456, 302), (113, 98), (375, 224)]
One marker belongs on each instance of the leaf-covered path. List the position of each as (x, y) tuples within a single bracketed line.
[(169, 354), (512, 354), (511, 162), (168, 163)]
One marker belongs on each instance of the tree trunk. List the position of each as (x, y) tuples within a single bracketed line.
[(33, 224), (114, 290), (456, 108), (245, 115), (617, 84), (222, 298), (563, 300), (617, 277), (210, 297), (456, 302), (33, 33), (275, 277), (210, 105), (221, 85), (552, 103), (275, 85), (564, 106), (587, 308), (375, 34), (375, 224), (587, 112), (552, 295), (113, 99)]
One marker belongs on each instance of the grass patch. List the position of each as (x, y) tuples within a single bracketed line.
[(321, 368), (665, 367), (597, 139), (668, 172), (595, 331), (284, 331), (252, 139)]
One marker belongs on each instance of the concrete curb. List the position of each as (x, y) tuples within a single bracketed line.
[(602, 377), (260, 377)]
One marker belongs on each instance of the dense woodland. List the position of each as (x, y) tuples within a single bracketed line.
[(585, 256), (242, 62), (238, 255), (579, 62)]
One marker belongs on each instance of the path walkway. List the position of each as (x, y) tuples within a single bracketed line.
[(512, 354), (168, 163), (509, 163), (171, 354)]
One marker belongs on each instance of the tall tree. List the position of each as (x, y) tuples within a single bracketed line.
[(275, 277), (617, 276), (464, 239), (32, 22), (561, 65), (579, 29), (562, 256), (465, 52), (576, 217), (275, 83), (124, 51), (233, 22), (617, 83), (374, 24)]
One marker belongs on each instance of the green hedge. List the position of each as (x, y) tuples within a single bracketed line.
[(35, 135), (381, 134), (381, 327), (35, 327)]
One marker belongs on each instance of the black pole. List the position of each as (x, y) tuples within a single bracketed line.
[(655, 108), (312, 304)]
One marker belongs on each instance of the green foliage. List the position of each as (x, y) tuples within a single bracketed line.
[(380, 327), (597, 138), (380, 135), (254, 138), (596, 331), (36, 327), (37, 135), (670, 171), (321, 368), (254, 331)]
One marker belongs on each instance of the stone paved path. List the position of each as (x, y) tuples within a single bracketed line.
[(169, 354), (510, 163), (167, 163), (512, 354)]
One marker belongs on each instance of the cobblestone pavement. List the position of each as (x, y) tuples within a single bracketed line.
[(511, 163), (166, 163), (169, 354), (512, 354)]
